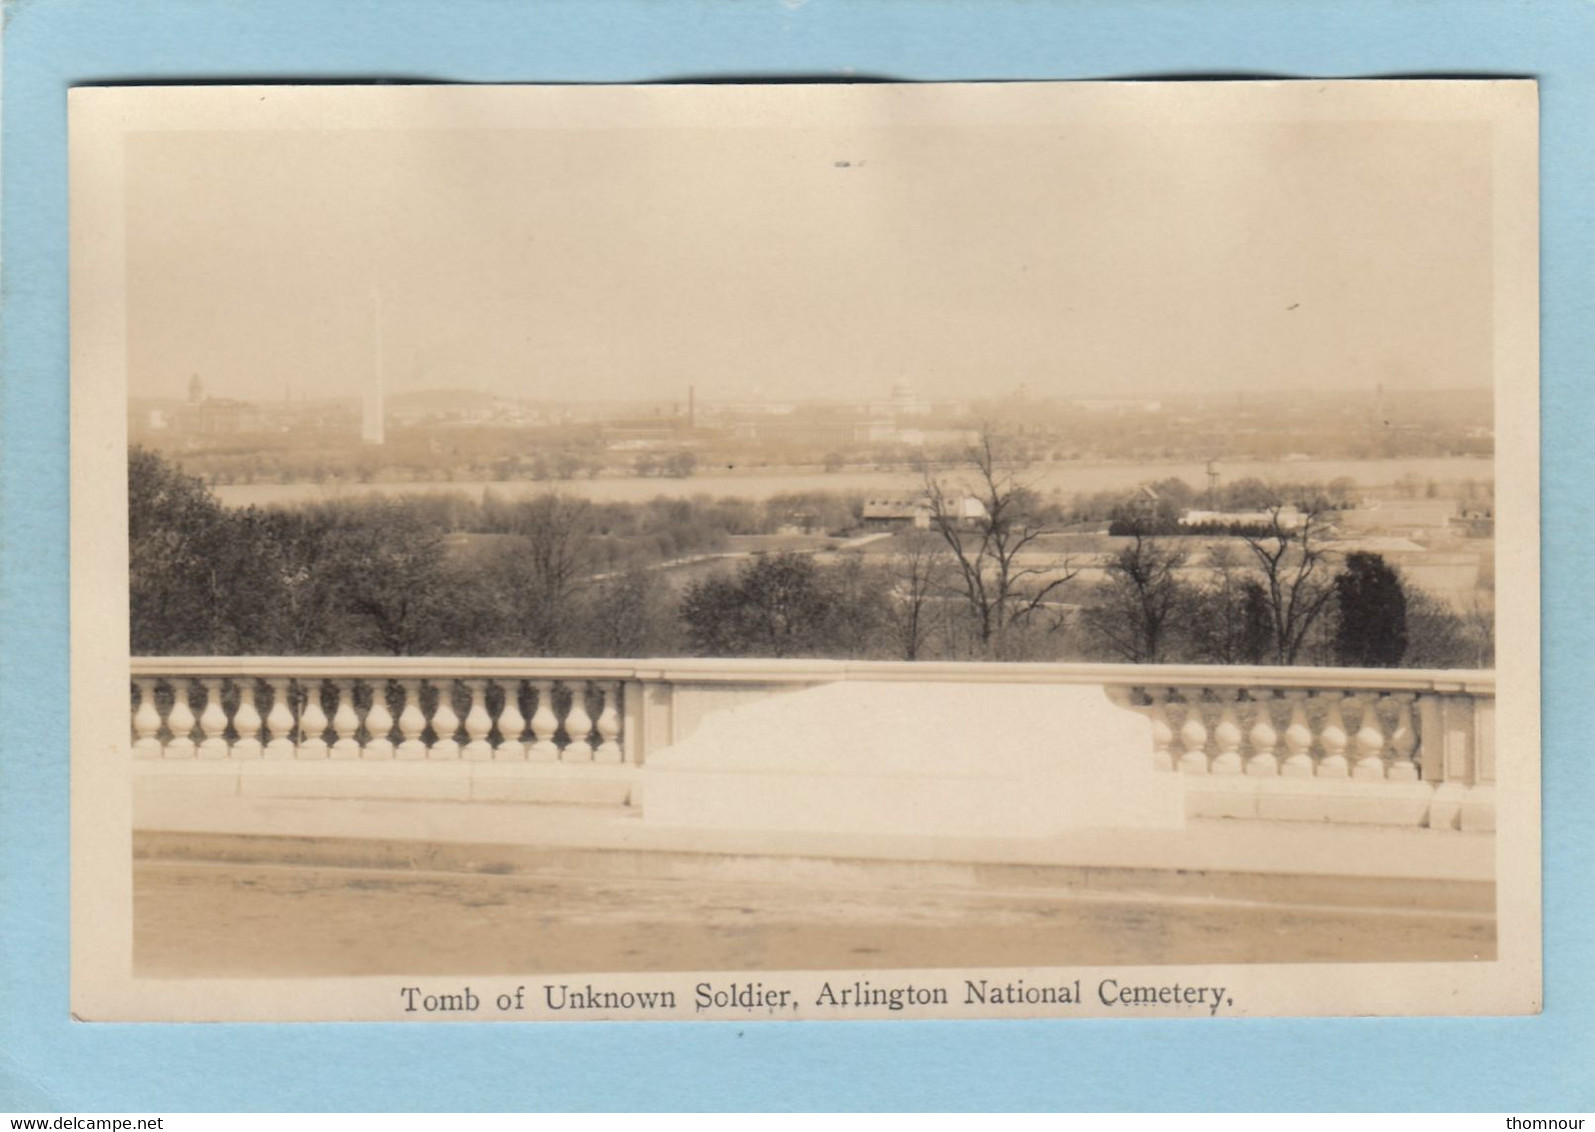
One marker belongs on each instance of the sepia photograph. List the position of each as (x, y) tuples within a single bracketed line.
[(814, 551)]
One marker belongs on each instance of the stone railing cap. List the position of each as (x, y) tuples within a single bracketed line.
[(802, 671)]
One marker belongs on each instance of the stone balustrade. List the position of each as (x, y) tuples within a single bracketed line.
[(374, 711), (1386, 745), (1409, 747), (1392, 729)]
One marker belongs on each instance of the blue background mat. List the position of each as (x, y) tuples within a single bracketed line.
[(48, 1063)]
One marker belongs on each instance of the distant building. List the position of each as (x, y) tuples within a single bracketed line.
[(222, 416), (814, 433), (1288, 518), (1142, 504), (641, 433), (736, 409), (937, 437), (457, 408), (1120, 406), (904, 402), (887, 514), (916, 512), (1474, 522)]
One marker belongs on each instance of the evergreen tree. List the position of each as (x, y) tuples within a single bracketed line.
[(1372, 631)]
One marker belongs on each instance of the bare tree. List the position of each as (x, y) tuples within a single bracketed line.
[(545, 567), (1296, 567), (631, 613), (919, 575), (1136, 610), (989, 526), (1231, 622), (1441, 635)]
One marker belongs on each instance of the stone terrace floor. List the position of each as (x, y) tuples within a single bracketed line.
[(249, 920), (260, 888)]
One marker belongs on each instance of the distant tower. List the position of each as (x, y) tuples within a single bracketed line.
[(1212, 485), (692, 407), (371, 418), (196, 390)]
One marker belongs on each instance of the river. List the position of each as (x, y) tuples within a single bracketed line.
[(1065, 479)]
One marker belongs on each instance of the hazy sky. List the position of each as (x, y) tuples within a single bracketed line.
[(583, 264)]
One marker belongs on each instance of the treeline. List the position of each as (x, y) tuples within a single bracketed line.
[(425, 574), (1156, 507), (1267, 602), (558, 576), (676, 525)]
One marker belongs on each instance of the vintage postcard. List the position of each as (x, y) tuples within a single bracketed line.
[(738, 553)]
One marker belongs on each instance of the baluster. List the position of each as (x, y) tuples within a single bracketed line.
[(213, 722), (608, 725), (345, 723), (1264, 762), (279, 722), (1193, 733), (180, 721), (246, 721), (1298, 737), (412, 721), (1227, 735), (578, 726), (379, 723), (478, 724), (1370, 739), (445, 723), (312, 723), (1162, 733), (1403, 740), (1334, 739), (544, 724), (146, 722), (510, 724)]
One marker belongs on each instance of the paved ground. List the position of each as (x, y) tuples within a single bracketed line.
[(243, 919), (1284, 848)]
